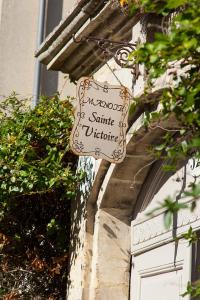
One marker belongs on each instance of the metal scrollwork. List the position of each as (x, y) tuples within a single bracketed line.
[(120, 51), (122, 56)]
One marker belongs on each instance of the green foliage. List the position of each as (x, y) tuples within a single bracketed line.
[(170, 208), (193, 290), (157, 6), (38, 181), (194, 192), (176, 54), (178, 51), (190, 236), (33, 147)]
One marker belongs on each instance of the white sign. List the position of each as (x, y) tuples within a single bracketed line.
[(100, 120)]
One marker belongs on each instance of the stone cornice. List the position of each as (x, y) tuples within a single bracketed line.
[(89, 18)]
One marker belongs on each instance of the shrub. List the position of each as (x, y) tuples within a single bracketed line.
[(38, 181)]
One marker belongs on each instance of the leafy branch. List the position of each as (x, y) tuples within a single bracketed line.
[(38, 182)]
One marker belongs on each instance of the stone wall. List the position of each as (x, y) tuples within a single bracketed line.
[(18, 31)]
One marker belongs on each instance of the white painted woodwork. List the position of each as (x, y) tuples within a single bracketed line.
[(161, 263), (161, 273)]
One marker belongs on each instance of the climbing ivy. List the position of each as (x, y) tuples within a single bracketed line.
[(179, 52), (176, 55)]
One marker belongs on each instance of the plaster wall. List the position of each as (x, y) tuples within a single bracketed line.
[(67, 6), (114, 75), (1, 1), (18, 32), (17, 45)]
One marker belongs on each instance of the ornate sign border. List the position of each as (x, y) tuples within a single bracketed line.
[(84, 84)]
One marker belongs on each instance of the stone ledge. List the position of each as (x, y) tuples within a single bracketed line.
[(60, 52)]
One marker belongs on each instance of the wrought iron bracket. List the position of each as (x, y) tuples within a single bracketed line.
[(119, 51)]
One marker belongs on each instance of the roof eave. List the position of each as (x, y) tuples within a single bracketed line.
[(60, 52)]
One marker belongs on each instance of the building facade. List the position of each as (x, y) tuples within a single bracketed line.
[(118, 251)]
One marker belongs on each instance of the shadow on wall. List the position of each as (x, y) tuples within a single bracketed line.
[(49, 79), (79, 215)]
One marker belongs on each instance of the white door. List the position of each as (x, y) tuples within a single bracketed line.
[(161, 259), (158, 275)]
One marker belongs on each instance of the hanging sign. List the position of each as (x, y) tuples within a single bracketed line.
[(100, 120)]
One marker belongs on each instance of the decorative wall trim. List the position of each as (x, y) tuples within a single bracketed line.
[(171, 267), (150, 232)]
